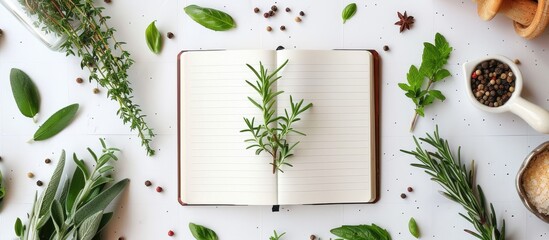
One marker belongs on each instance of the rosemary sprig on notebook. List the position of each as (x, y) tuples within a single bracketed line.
[(459, 185), (271, 134)]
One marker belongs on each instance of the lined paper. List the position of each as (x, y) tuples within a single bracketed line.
[(333, 163), (216, 167)]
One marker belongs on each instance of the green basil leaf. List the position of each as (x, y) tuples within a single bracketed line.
[(99, 202), (56, 123), (348, 12), (412, 226), (361, 232), (210, 18), (202, 233), (25, 93), (89, 227), (19, 228), (154, 39)]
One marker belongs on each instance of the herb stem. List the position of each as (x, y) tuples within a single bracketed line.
[(416, 116)]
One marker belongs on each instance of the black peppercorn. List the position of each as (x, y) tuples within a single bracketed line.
[(39, 183), (269, 28), (274, 8), (288, 9), (148, 183), (385, 48), (403, 196), (47, 161), (271, 13), (266, 15), (107, 1), (410, 189), (170, 35), (256, 10), (79, 80), (1, 32), (282, 28), (301, 13)]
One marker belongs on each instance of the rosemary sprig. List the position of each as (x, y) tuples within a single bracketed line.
[(270, 136), (92, 39), (459, 185)]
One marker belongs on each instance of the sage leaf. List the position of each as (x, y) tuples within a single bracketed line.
[(99, 202), (348, 12), (75, 187), (210, 18), (2, 189), (57, 215), (361, 232), (412, 226), (202, 233), (49, 194), (19, 227), (89, 227), (56, 123), (104, 220), (154, 39), (25, 93)]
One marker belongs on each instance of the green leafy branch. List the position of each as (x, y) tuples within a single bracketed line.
[(270, 135), (459, 185), (276, 236), (79, 210), (433, 60)]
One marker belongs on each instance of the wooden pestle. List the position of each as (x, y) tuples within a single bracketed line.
[(521, 11)]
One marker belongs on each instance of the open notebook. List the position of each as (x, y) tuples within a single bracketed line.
[(335, 163)]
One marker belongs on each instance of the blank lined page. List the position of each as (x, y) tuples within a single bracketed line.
[(333, 163), (216, 168)]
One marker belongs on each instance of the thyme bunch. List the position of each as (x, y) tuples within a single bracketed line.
[(92, 39), (270, 135), (459, 185)]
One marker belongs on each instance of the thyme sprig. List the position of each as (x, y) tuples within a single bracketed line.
[(459, 185), (92, 39), (270, 135)]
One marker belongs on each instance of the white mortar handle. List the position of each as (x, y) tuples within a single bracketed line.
[(535, 116)]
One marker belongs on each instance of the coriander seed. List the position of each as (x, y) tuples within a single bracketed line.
[(516, 61), (30, 175), (256, 10), (39, 183), (96, 90), (269, 28), (297, 19)]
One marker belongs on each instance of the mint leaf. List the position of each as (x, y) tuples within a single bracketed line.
[(404, 86), (437, 94), (443, 47), (441, 74), (415, 79), (361, 232)]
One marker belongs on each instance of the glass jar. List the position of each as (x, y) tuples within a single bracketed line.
[(21, 11)]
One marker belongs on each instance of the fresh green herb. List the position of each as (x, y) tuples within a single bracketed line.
[(414, 229), (276, 236), (348, 12), (78, 211), (94, 41), (154, 39), (210, 18), (270, 135), (433, 60), (56, 123), (25, 93), (361, 232), (202, 233), (2, 189), (459, 186)]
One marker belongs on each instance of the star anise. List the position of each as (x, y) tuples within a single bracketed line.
[(405, 21)]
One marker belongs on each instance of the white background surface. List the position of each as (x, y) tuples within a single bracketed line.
[(498, 143)]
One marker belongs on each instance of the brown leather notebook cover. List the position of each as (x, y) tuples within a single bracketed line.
[(376, 119)]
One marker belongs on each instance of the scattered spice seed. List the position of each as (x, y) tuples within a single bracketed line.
[(385, 48), (96, 90), (30, 175), (159, 189), (297, 19), (404, 21), (148, 183), (266, 15), (121, 238), (274, 8), (288, 9), (312, 237), (269, 28), (271, 13), (1, 32), (170, 35), (171, 233), (39, 183), (79, 80), (256, 10), (410, 189), (0, 159), (282, 28), (108, 1), (301, 13), (47, 161), (516, 60), (403, 195)]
